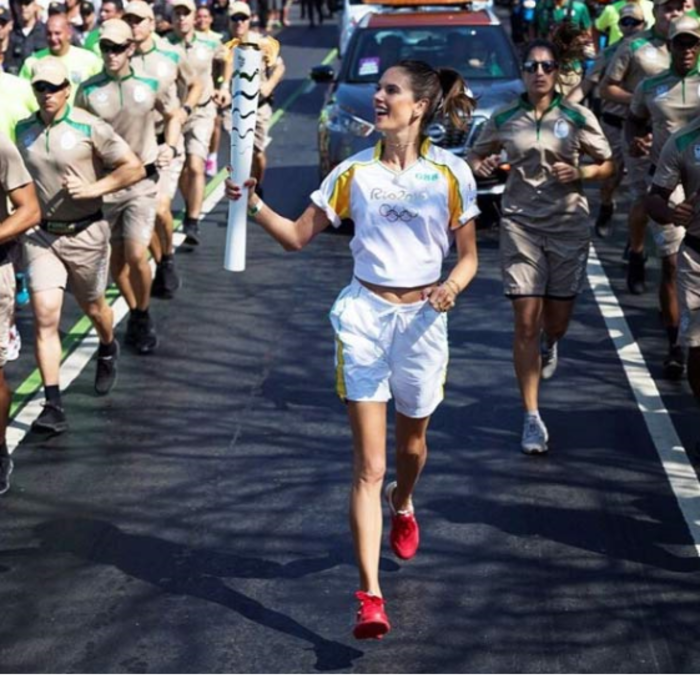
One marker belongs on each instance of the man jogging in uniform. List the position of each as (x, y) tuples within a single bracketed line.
[(68, 152), (17, 187), (128, 103), (156, 59)]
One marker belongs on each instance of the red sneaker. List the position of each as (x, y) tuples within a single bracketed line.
[(405, 535), (372, 622)]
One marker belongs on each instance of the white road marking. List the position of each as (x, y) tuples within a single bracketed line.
[(673, 456)]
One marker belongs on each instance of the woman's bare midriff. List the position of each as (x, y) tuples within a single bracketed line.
[(397, 295)]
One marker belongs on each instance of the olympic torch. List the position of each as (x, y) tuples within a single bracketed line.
[(245, 88)]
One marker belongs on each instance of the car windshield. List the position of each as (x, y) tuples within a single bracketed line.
[(477, 52)]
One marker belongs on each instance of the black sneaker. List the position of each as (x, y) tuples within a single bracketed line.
[(51, 419), (6, 468), (130, 333), (674, 363), (145, 338), (603, 224), (192, 233), (169, 280), (106, 373), (636, 273)]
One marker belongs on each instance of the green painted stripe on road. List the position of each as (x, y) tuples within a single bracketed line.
[(31, 385)]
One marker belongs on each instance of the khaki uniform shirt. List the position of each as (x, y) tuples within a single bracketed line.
[(78, 143), (637, 58), (670, 101), (679, 163), (533, 198), (596, 75), (200, 55), (13, 175), (128, 105), (269, 47)]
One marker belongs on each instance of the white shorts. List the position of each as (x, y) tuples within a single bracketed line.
[(386, 350)]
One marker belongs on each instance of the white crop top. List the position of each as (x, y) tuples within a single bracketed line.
[(403, 221)]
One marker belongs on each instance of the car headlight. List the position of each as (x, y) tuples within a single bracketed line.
[(341, 121)]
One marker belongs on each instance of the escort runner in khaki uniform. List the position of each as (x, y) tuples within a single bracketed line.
[(270, 77), (68, 152), (155, 58), (128, 103), (679, 163), (670, 101), (545, 231), (200, 52), (16, 187), (638, 58)]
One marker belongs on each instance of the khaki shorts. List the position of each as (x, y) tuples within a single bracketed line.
[(81, 261), (689, 295), (7, 307), (262, 126), (170, 175), (637, 175), (541, 265), (616, 140), (198, 130), (668, 239), (132, 212)]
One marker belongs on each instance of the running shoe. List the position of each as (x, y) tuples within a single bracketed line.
[(22, 293), (106, 372), (535, 436), (6, 468), (14, 344), (145, 338), (636, 273), (166, 281), (550, 358), (604, 224), (191, 233), (674, 363), (405, 534), (130, 332), (51, 419), (371, 621)]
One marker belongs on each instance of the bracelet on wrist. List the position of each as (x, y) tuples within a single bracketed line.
[(452, 285), (174, 149), (255, 209)]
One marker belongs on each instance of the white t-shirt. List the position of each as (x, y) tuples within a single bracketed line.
[(403, 221)]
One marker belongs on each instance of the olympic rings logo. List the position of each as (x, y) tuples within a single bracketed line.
[(393, 214)]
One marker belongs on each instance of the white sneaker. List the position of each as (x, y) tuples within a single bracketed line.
[(535, 436), (14, 344), (550, 357)]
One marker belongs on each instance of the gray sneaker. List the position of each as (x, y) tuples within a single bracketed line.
[(550, 357), (535, 436), (6, 468)]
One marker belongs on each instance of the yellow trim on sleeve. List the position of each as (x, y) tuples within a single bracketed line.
[(454, 197), (340, 197)]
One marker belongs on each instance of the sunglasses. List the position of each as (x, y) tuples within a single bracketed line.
[(4, 22), (46, 87), (548, 66), (239, 18), (182, 12), (114, 49), (132, 19), (629, 22)]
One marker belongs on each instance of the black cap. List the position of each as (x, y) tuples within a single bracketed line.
[(86, 7), (57, 8), (5, 14)]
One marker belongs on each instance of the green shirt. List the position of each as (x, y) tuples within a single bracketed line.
[(17, 107), (549, 15), (80, 63), (92, 42), (607, 22)]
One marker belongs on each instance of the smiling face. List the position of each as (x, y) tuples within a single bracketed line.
[(395, 107), (58, 34), (203, 19)]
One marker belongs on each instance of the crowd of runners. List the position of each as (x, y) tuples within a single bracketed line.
[(121, 107)]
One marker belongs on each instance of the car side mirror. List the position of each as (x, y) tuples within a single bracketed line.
[(323, 74)]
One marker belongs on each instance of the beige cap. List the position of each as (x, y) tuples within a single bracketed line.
[(684, 24), (51, 70), (239, 7), (185, 3), (138, 8), (633, 10), (117, 31)]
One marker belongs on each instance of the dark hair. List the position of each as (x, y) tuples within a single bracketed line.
[(445, 90), (570, 41), (545, 45), (118, 4)]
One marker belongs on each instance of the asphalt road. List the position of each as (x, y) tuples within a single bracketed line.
[(195, 519)]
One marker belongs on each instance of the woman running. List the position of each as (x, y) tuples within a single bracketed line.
[(409, 201), (545, 233)]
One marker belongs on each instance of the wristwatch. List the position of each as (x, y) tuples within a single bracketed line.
[(174, 149)]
